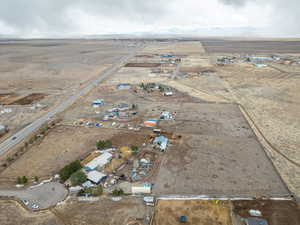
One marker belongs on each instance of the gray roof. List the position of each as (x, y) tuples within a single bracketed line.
[(256, 221)]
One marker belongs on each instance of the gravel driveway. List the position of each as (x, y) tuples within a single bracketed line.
[(42, 197)]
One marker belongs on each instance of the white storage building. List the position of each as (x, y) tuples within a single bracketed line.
[(141, 188), (99, 162)]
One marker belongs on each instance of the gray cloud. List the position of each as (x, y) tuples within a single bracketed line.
[(285, 14), (51, 17), (43, 15), (234, 2)]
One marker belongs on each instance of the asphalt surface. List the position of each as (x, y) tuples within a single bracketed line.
[(39, 197), (13, 140)]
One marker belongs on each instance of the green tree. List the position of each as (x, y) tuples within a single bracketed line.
[(94, 191), (22, 180), (69, 169), (78, 177), (103, 144), (118, 192), (36, 179), (134, 149)]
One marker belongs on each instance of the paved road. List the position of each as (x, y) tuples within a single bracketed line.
[(12, 141), (44, 196)]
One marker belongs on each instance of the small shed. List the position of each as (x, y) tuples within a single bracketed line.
[(149, 199), (124, 106), (3, 129), (124, 86), (96, 177), (183, 219), (141, 188), (98, 102), (150, 123), (166, 116), (256, 221)]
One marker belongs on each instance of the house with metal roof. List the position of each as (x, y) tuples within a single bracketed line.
[(96, 177), (98, 162)]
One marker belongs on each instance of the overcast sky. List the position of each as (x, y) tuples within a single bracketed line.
[(52, 18)]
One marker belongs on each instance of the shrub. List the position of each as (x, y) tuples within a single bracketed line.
[(36, 179), (22, 180), (9, 159), (134, 149), (118, 192), (103, 144), (78, 177), (69, 169), (94, 191)]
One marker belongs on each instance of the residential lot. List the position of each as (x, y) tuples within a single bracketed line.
[(61, 146)]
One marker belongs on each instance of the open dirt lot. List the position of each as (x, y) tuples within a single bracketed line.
[(272, 100), (11, 213), (198, 212), (55, 65), (103, 212), (251, 46), (218, 155)]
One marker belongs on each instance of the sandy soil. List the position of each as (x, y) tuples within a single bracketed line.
[(11, 213), (55, 65), (103, 212), (218, 155), (198, 212), (251, 46)]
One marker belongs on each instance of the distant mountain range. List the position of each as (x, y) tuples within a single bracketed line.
[(172, 33)]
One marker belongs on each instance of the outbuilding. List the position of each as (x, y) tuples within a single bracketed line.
[(141, 188), (150, 123), (124, 86), (3, 129), (256, 221), (98, 162), (162, 142), (96, 177)]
